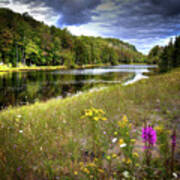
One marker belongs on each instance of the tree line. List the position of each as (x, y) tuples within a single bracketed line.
[(27, 41), (167, 57)]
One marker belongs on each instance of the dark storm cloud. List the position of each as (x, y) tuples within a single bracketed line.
[(144, 21), (71, 11), (151, 20)]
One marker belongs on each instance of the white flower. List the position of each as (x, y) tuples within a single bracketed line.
[(114, 140), (19, 116), (175, 175), (20, 131), (123, 145), (126, 174)]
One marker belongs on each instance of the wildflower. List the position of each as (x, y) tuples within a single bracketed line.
[(19, 116), (114, 140), (104, 119), (101, 170), (133, 140), (75, 173), (123, 122), (137, 165), (81, 164), (126, 174), (86, 171), (115, 133), (96, 118), (121, 143), (159, 129), (88, 113), (108, 157), (125, 119), (135, 154), (173, 139), (149, 135), (101, 111), (21, 131), (92, 165), (19, 168), (175, 175), (128, 161), (114, 156)]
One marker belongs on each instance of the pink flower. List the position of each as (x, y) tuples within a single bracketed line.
[(149, 135)]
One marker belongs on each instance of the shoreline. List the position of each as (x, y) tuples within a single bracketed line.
[(50, 68)]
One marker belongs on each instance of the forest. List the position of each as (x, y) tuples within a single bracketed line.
[(167, 57), (23, 40)]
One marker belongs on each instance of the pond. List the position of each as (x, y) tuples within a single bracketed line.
[(20, 88)]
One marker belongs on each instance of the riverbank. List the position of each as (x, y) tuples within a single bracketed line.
[(5, 68), (52, 139)]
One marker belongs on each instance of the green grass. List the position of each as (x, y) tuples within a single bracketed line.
[(6, 68), (50, 139)]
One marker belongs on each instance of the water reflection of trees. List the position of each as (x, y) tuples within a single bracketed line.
[(27, 87)]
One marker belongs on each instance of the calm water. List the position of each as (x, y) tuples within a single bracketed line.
[(20, 88)]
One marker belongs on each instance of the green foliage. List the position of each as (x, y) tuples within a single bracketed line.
[(25, 40), (154, 55), (168, 57)]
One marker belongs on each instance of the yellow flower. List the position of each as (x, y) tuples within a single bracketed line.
[(128, 161), (108, 157), (159, 129), (86, 171), (133, 140), (89, 113), (135, 154), (101, 170), (96, 118), (81, 164), (114, 155), (75, 173), (101, 111), (137, 165), (121, 141), (104, 119), (115, 133), (125, 119), (92, 165), (121, 124)]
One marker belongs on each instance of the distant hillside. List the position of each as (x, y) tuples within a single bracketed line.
[(25, 40)]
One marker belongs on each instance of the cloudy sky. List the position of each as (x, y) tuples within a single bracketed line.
[(144, 23)]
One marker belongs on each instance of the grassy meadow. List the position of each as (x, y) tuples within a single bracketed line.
[(95, 135)]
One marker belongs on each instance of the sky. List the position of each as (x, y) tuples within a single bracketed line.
[(143, 23)]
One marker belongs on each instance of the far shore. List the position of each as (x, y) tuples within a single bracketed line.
[(5, 68)]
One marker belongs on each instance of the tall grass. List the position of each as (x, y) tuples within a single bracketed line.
[(59, 140)]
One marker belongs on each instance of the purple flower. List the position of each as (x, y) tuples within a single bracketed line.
[(149, 135), (19, 168), (173, 139)]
